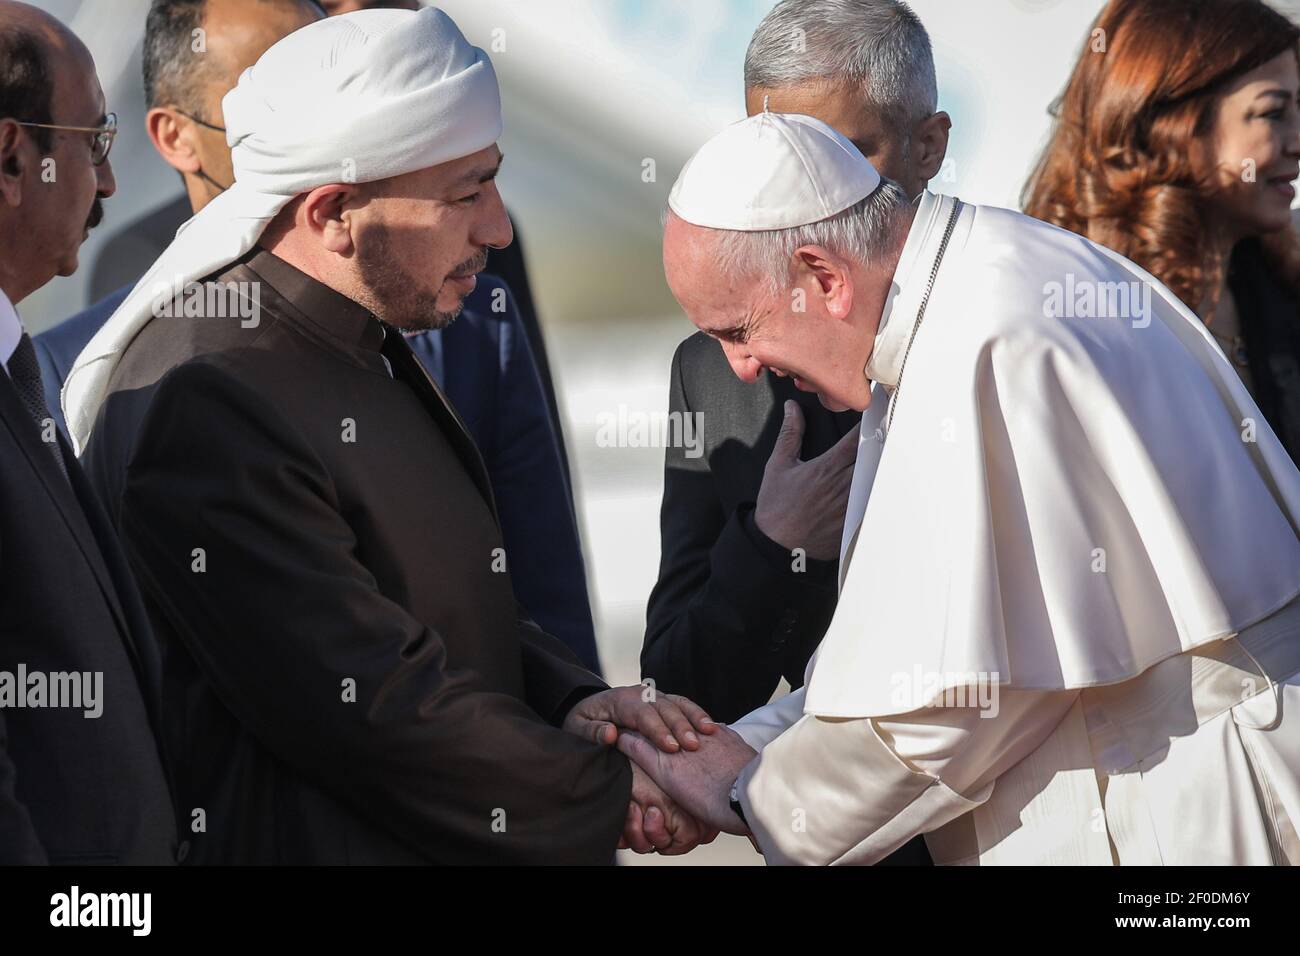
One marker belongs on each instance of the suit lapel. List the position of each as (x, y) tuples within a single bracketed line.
[(121, 592), (62, 494)]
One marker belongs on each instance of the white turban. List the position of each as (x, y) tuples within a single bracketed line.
[(354, 98)]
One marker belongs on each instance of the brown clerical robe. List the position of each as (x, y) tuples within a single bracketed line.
[(348, 677)]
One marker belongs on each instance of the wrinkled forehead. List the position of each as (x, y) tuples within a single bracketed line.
[(689, 250), (713, 299), (677, 234)]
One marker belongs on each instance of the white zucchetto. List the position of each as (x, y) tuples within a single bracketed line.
[(772, 171)]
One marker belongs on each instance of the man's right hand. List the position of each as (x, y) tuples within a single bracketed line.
[(801, 504), (655, 823)]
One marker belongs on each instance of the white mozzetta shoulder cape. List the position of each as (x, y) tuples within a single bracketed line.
[(1066, 495)]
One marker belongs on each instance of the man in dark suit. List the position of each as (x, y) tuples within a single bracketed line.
[(735, 609), (81, 775), (485, 362), (750, 533)]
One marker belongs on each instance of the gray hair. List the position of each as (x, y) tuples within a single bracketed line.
[(879, 45), (864, 232)]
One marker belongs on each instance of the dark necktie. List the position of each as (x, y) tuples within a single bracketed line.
[(25, 372)]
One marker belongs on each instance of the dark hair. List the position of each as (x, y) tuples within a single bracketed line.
[(25, 85), (1120, 167), (169, 74)]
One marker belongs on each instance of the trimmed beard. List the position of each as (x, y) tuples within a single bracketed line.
[(395, 295)]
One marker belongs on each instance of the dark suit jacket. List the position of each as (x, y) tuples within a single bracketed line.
[(728, 617), (73, 789), (346, 676), (57, 348), (484, 364), (511, 266)]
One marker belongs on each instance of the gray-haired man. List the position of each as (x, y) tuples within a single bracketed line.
[(863, 67), (750, 533)]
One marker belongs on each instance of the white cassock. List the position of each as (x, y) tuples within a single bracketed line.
[(1091, 516)]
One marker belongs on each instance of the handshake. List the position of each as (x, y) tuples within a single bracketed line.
[(683, 766)]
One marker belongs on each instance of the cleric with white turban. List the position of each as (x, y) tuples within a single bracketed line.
[(348, 675), (1068, 628), (358, 98)]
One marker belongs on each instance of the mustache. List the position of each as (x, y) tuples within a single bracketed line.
[(96, 213), (476, 263)]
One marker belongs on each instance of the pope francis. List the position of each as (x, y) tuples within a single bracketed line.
[(1068, 629)]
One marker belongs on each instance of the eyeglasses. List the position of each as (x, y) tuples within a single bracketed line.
[(102, 142)]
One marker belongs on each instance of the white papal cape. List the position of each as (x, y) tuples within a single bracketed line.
[(1068, 628)]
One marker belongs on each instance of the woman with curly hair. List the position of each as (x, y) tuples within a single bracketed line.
[(1176, 144)]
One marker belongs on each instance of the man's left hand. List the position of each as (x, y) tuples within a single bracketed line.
[(670, 721)]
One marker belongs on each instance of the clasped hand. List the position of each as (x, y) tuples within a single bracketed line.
[(647, 725)]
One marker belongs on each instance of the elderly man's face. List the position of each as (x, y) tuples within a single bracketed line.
[(823, 348), (68, 204), (422, 237)]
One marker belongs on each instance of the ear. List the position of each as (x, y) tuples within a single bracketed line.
[(826, 276), (327, 211), (930, 145), (170, 134), (13, 162)]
